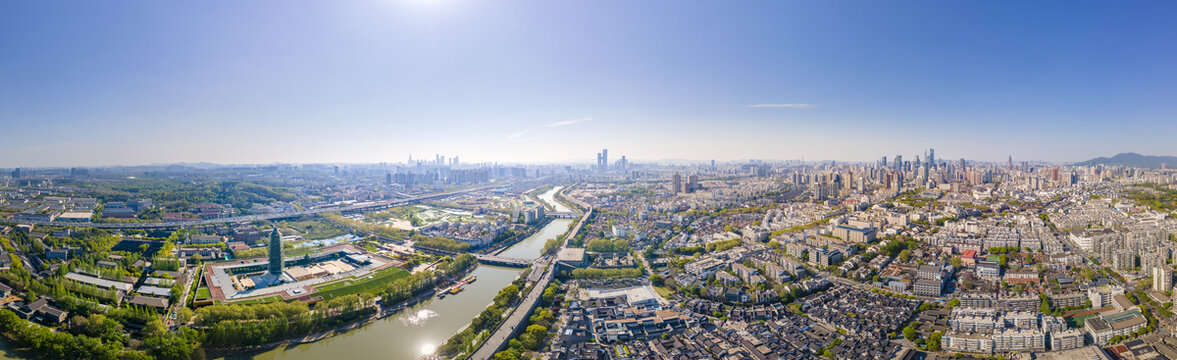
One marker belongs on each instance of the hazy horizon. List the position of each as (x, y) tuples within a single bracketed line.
[(584, 161), (145, 82)]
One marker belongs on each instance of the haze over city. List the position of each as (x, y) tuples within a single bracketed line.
[(142, 82)]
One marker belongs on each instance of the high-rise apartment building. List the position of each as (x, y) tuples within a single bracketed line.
[(1162, 278)]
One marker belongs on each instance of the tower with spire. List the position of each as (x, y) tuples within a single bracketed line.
[(276, 253)]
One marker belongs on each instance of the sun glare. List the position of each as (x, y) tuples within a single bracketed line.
[(427, 349)]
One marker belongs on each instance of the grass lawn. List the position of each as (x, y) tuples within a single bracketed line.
[(203, 293), (664, 291), (301, 251), (1077, 321), (368, 283), (310, 229), (259, 300)]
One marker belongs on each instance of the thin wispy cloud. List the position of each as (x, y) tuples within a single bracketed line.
[(519, 134), (784, 106), (569, 122)]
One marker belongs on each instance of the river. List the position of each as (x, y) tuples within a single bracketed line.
[(550, 197)]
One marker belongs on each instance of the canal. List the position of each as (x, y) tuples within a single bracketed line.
[(417, 331), (550, 197)]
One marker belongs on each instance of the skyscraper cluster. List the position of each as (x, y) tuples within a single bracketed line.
[(603, 160)]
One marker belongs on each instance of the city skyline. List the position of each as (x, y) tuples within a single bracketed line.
[(532, 82)]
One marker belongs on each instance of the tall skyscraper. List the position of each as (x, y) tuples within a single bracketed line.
[(603, 160), (676, 183), (932, 157), (15, 173), (276, 253), (1011, 162), (898, 162)]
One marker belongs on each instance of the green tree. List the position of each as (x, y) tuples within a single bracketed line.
[(905, 255), (168, 348), (534, 336), (154, 328), (509, 354), (549, 295), (909, 332), (599, 245), (934, 342)]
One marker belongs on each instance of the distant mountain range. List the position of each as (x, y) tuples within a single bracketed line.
[(1133, 160)]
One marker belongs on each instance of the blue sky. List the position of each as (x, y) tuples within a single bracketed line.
[(137, 82)]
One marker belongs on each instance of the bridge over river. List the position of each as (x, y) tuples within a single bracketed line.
[(485, 258), (503, 261)]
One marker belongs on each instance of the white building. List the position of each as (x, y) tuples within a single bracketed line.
[(1162, 278)]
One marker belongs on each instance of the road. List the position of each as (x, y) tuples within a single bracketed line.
[(646, 280), (174, 307), (248, 218)]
